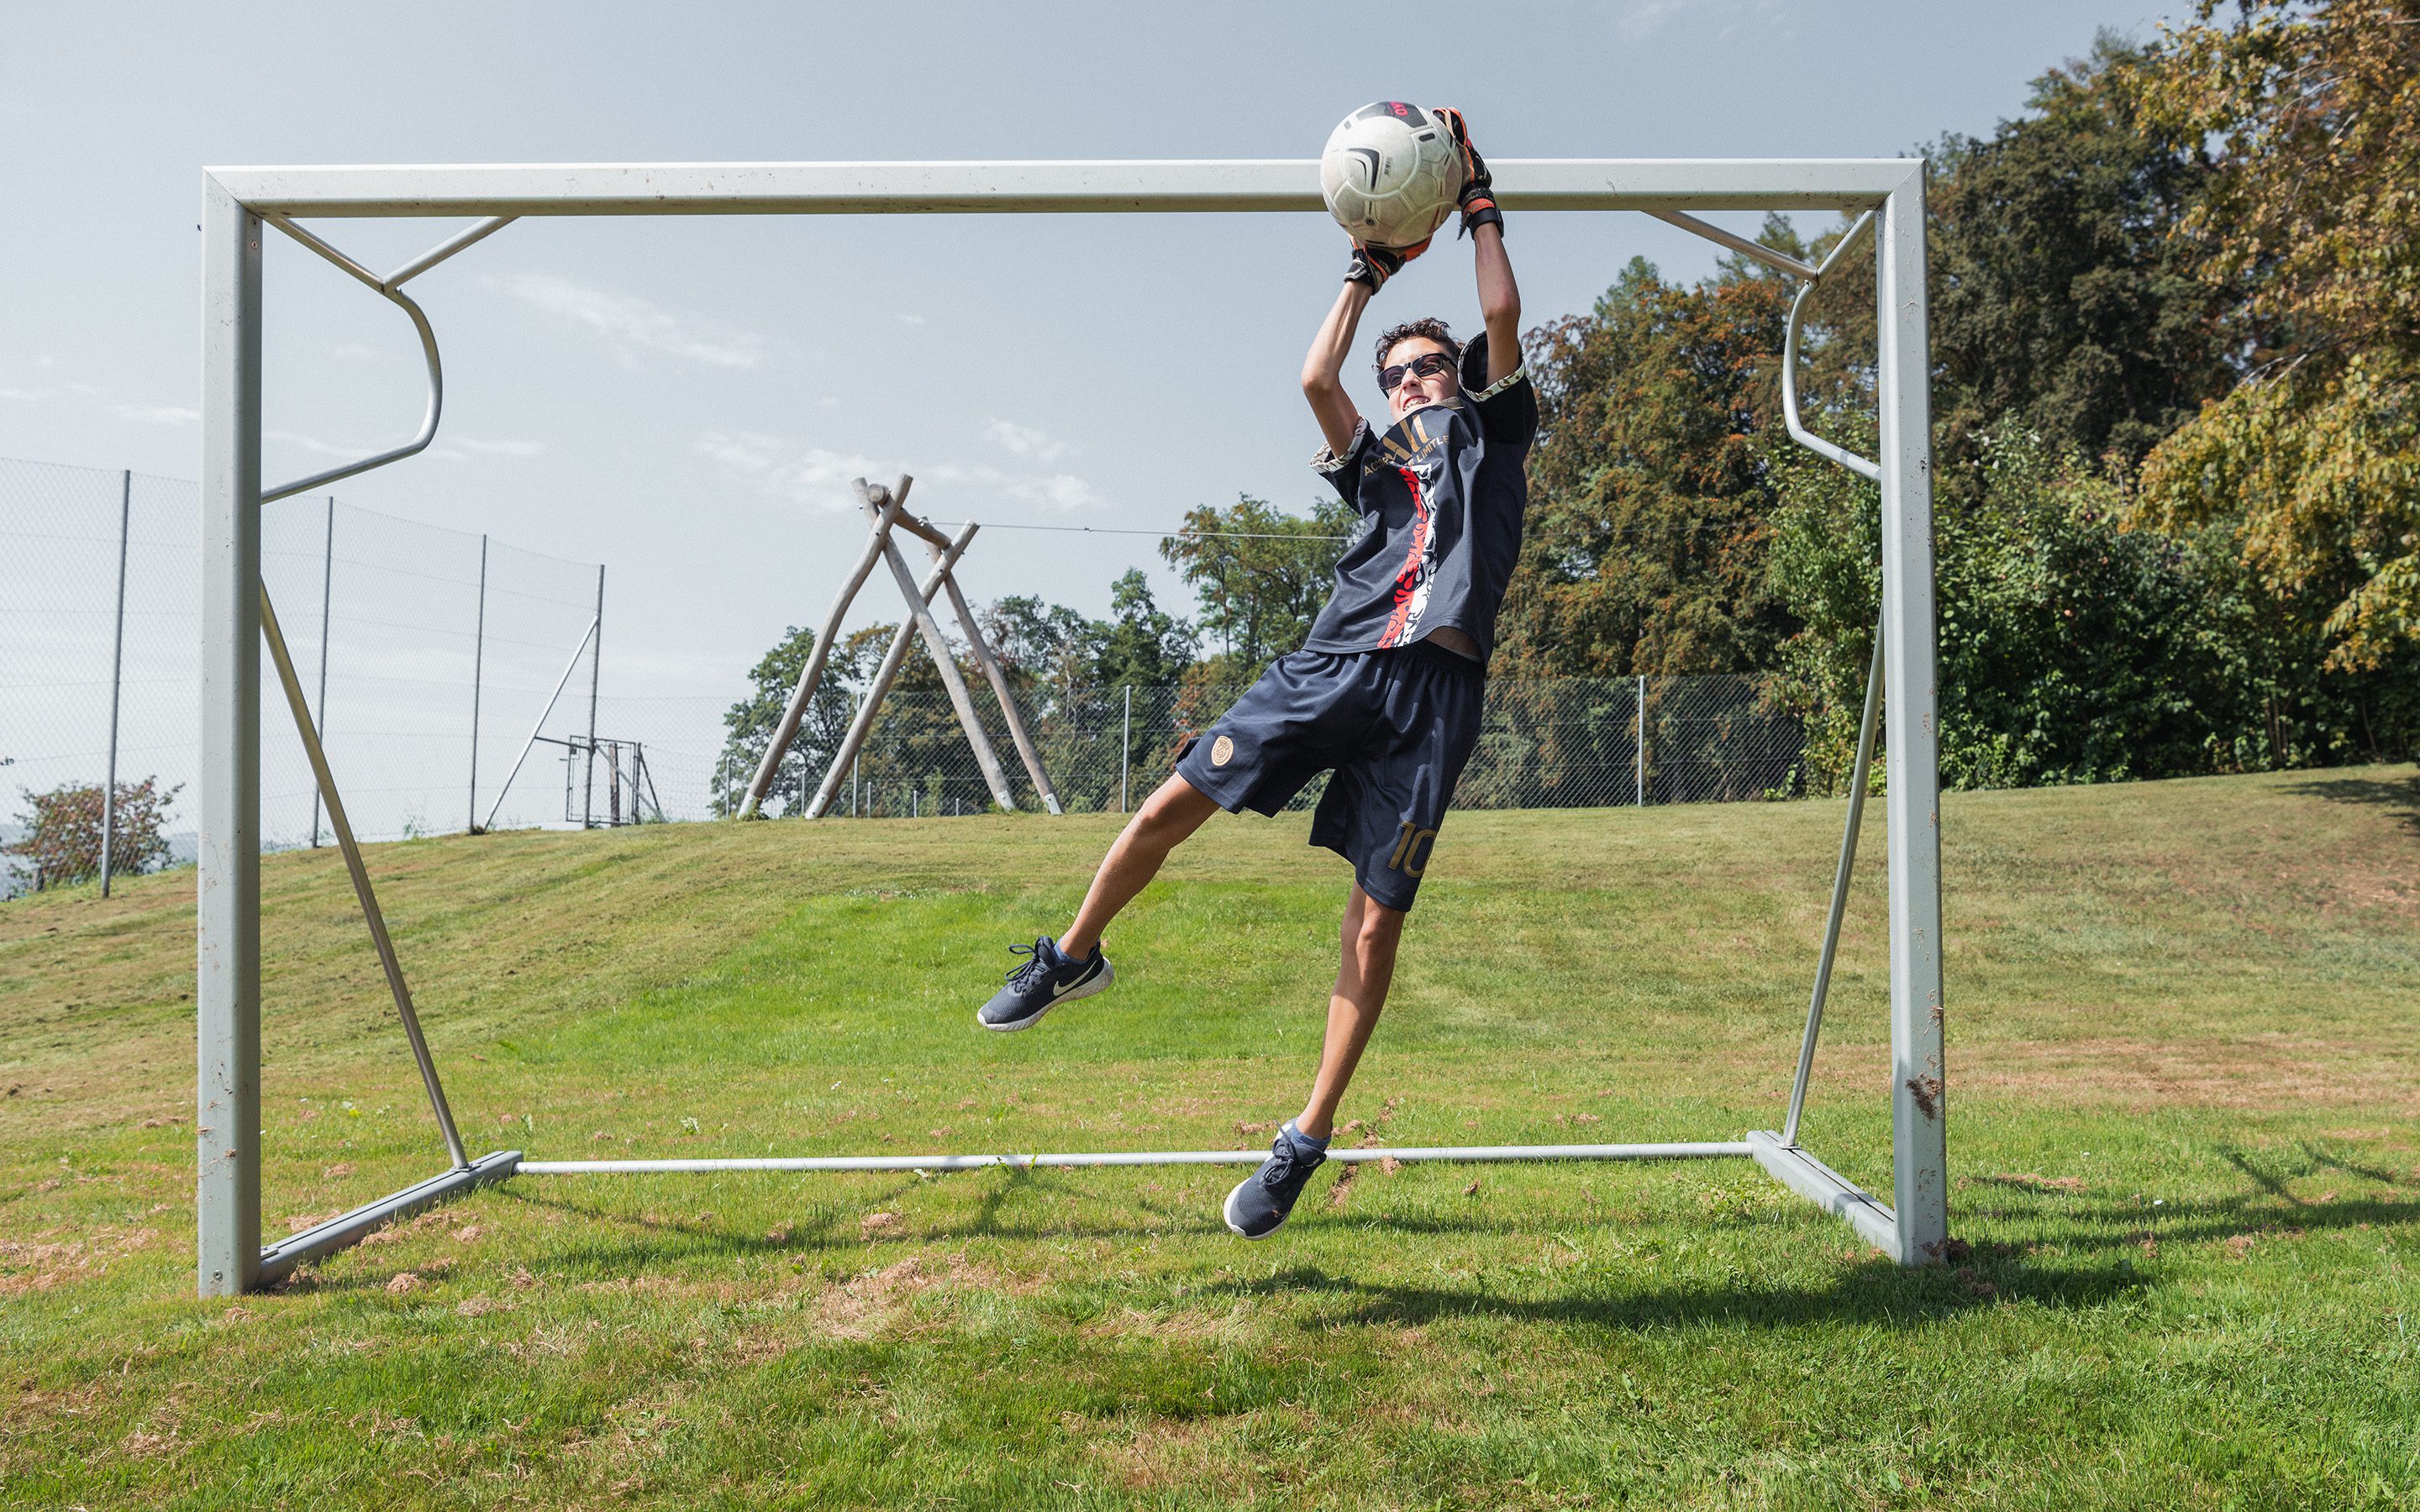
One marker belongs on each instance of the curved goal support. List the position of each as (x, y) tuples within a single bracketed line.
[(391, 287), (1900, 714)]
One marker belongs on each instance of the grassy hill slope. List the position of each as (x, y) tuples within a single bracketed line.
[(2183, 1081)]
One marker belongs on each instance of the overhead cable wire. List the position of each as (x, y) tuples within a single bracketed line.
[(1113, 530)]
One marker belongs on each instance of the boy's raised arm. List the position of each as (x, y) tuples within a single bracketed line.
[(1322, 370), (1499, 297)]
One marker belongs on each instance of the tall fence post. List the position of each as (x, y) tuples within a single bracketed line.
[(1638, 763), (116, 667), (319, 718), (478, 661), (1126, 749), (595, 664)]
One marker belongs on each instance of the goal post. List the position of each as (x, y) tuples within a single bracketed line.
[(240, 203)]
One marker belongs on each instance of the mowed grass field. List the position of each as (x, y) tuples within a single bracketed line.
[(2184, 1071)]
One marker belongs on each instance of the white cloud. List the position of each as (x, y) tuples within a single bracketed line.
[(1024, 441), (820, 478), (159, 414), (911, 319), (631, 322), (27, 395), (1061, 491), (313, 444), (809, 475), (1718, 19)]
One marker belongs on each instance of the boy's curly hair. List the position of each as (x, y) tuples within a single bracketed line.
[(1429, 326)]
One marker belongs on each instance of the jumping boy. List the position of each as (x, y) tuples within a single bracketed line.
[(1386, 692)]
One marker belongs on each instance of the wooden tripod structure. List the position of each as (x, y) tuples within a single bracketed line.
[(886, 509)]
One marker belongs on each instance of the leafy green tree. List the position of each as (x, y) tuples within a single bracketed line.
[(63, 831), (2073, 647), (1643, 547), (1059, 652), (2311, 226), (749, 724), (1073, 672), (1262, 576), (2061, 303)]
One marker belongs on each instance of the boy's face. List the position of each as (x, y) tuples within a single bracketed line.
[(1417, 392)]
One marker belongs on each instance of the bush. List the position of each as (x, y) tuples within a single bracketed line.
[(63, 835)]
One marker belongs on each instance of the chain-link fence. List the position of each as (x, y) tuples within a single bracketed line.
[(408, 637), (401, 634), (1558, 743)]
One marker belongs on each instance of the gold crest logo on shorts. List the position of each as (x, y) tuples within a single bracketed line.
[(1222, 750)]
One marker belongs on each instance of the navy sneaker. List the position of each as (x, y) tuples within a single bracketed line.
[(1259, 1203), (1046, 981)]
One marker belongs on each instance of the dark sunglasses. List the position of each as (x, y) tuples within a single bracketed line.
[(1427, 364)]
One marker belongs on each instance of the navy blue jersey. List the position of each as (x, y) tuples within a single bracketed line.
[(1441, 496)]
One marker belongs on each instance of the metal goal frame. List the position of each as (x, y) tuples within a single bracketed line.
[(236, 616)]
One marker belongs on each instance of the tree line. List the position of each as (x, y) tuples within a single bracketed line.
[(2174, 337)]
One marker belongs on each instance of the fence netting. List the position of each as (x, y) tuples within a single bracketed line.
[(382, 617), (402, 633), (1561, 743)]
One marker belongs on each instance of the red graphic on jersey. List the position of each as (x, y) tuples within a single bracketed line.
[(1407, 580)]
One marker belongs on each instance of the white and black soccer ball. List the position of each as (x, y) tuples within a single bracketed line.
[(1390, 173)]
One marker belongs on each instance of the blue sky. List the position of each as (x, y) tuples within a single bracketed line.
[(686, 399)]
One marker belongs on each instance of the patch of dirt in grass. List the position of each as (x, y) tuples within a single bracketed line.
[(1341, 1191), (2233, 1073), (145, 1444), (1166, 1454), (862, 1306), (43, 1262), (1183, 1326)]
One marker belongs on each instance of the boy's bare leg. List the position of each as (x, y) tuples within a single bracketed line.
[(1366, 969), (1164, 821)]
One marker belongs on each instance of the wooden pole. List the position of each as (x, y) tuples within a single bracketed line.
[(819, 658), (997, 677), (920, 607), (872, 702)]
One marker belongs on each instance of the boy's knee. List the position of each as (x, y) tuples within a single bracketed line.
[(1380, 924), (1171, 809)]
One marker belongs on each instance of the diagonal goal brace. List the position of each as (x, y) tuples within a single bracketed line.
[(1900, 704)]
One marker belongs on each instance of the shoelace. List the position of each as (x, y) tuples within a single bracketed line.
[(1280, 1166), (1020, 973)]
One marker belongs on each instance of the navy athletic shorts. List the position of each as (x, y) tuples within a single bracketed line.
[(1395, 726)]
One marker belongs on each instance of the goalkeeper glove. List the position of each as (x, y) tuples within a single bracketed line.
[(1373, 265), (1478, 197)]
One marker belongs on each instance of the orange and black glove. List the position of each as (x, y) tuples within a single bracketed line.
[(1373, 265), (1477, 185)]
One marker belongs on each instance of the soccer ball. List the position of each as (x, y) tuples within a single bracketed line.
[(1390, 173)]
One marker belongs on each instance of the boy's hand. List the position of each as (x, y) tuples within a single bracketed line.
[(1477, 185), (1373, 265)]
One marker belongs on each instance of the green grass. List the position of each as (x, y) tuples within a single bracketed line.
[(2182, 1052)]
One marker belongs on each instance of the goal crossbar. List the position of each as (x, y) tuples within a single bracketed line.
[(1902, 697)]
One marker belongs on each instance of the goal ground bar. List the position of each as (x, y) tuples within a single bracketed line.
[(1462, 1153), (279, 1259)]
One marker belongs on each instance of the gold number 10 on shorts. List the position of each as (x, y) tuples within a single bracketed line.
[(1412, 849)]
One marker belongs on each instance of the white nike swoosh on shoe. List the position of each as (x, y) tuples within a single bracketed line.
[(1058, 992)]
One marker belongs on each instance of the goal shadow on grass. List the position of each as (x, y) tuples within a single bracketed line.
[(2043, 1249), (2400, 796)]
